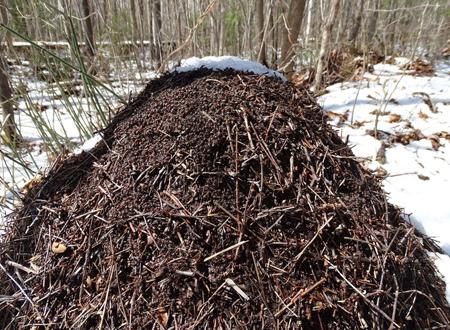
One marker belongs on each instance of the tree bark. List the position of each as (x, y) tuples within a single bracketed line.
[(353, 32), (135, 28), (324, 44), (273, 35), (88, 25), (157, 19), (292, 25), (9, 124), (4, 20), (372, 24), (308, 23), (261, 32)]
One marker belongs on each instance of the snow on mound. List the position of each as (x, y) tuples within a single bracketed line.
[(227, 62), (88, 144)]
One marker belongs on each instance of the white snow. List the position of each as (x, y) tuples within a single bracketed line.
[(226, 62), (89, 144), (418, 175), (442, 262)]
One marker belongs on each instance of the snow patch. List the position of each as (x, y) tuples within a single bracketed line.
[(418, 173), (227, 62), (88, 144), (442, 262)]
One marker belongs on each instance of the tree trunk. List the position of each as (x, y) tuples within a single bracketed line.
[(324, 44), (272, 28), (4, 20), (156, 15), (261, 32), (354, 30), (308, 23), (221, 30), (88, 24), (9, 124), (292, 25), (372, 24)]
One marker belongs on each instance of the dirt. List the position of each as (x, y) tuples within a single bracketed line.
[(217, 200)]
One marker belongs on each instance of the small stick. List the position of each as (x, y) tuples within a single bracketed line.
[(312, 239), (252, 146), (21, 267), (394, 310), (224, 250), (236, 288), (299, 295), (18, 285), (363, 296), (184, 273)]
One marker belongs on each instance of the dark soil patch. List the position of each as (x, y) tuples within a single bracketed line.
[(218, 200)]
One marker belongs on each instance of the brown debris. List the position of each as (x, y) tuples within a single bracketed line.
[(218, 200), (341, 65), (427, 100), (394, 118), (419, 67), (381, 153)]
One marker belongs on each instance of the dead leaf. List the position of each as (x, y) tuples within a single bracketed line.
[(435, 143), (163, 317), (31, 183), (89, 281), (58, 247), (381, 154), (378, 112), (392, 100), (443, 134), (358, 124), (333, 115), (394, 118), (427, 100), (423, 115), (381, 172), (423, 177), (99, 284)]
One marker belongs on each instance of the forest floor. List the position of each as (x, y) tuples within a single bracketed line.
[(397, 124), (411, 148)]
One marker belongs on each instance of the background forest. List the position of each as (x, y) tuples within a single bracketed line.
[(67, 65)]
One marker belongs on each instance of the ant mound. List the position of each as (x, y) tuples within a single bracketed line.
[(216, 200)]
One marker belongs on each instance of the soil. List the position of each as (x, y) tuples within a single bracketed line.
[(217, 200)]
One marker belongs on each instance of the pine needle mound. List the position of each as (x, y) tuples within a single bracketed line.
[(218, 200)]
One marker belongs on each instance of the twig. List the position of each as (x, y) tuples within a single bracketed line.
[(375, 307), (312, 239), (299, 295), (21, 267), (236, 288), (224, 250)]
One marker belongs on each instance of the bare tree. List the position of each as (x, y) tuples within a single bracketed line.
[(261, 31), (88, 25), (324, 44), (157, 19), (354, 30), (267, 30), (292, 25), (9, 125), (4, 20), (372, 23), (308, 22)]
